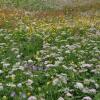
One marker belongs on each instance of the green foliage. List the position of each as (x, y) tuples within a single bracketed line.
[(97, 96)]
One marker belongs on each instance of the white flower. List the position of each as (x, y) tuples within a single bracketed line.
[(72, 47), (30, 61), (90, 91), (17, 64), (49, 65), (1, 86), (85, 90), (87, 98), (69, 94), (63, 78), (86, 65), (79, 86), (13, 94), (14, 49), (23, 95), (87, 81), (60, 98), (32, 98), (21, 68), (29, 82), (18, 56), (65, 67), (19, 85), (60, 58), (16, 52), (67, 51), (57, 63), (96, 85), (1, 71), (56, 81), (46, 62), (6, 64), (11, 85)]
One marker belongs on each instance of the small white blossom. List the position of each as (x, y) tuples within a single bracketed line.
[(92, 91), (11, 85), (32, 98), (97, 85), (86, 65), (30, 61), (1, 86), (6, 64), (49, 65), (87, 98), (23, 95), (29, 82), (69, 94), (60, 98), (21, 68), (1, 71), (57, 63), (19, 85), (86, 81), (89, 91), (56, 81), (63, 78), (79, 86), (13, 94), (18, 56), (60, 58)]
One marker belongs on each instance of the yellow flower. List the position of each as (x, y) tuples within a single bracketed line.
[(28, 93)]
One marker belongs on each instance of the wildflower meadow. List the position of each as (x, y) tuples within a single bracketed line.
[(49, 55)]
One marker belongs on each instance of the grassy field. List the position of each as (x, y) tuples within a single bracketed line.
[(49, 55)]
